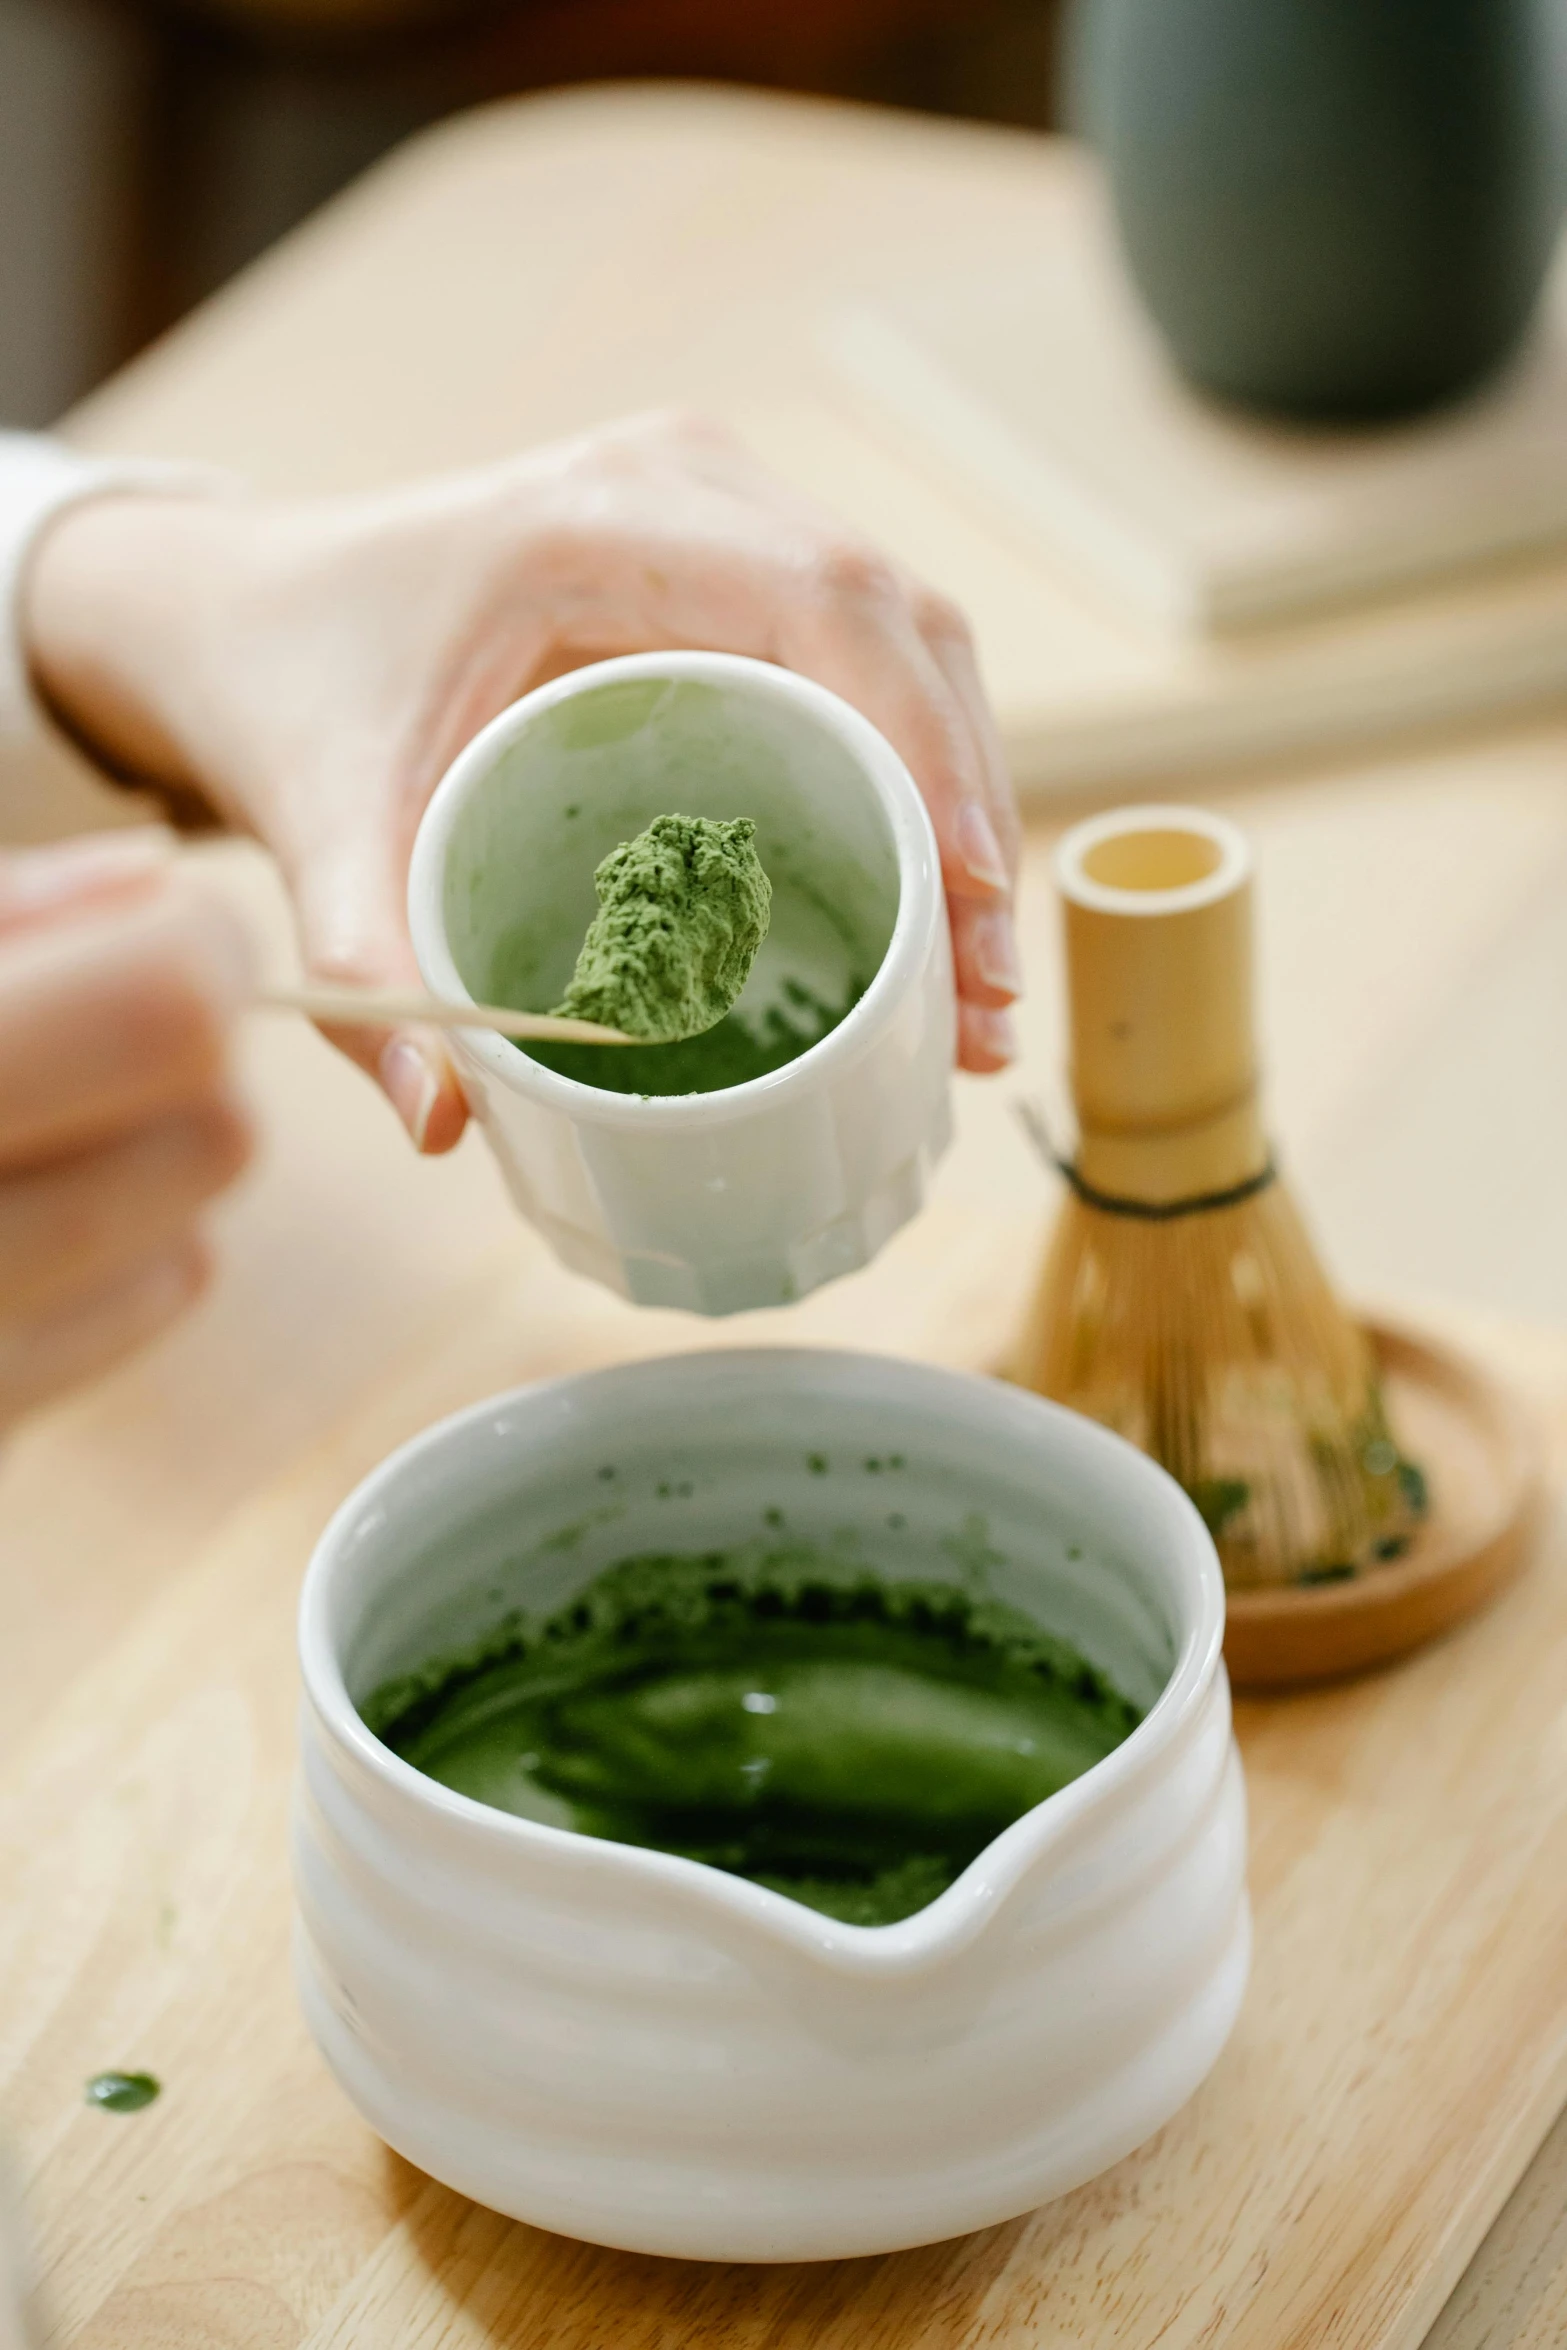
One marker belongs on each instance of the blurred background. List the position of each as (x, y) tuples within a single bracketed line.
[(149, 148)]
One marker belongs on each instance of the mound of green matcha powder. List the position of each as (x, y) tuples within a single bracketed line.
[(682, 911)]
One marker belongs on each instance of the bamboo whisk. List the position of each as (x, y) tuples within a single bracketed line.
[(1181, 1302)]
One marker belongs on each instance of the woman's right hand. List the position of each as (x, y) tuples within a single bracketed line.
[(309, 669), (119, 982)]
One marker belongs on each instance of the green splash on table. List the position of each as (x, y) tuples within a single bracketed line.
[(853, 1745), (123, 2092)]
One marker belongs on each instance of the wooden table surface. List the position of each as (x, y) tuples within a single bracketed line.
[(514, 275)]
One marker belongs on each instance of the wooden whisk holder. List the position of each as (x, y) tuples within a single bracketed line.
[(1181, 1301)]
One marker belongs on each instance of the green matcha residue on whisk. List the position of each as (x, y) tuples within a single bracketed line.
[(682, 911)]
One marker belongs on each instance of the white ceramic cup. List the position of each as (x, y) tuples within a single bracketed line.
[(755, 1195), (636, 2049)]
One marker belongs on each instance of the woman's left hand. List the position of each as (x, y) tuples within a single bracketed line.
[(312, 668)]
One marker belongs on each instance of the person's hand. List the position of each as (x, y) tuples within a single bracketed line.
[(312, 668), (118, 982)]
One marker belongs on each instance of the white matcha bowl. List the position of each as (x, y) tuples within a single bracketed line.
[(755, 1195), (645, 2052)]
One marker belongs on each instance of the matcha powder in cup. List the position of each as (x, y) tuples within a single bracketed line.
[(682, 911), (746, 1165)]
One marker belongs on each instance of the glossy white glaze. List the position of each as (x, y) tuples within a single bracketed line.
[(758, 1194), (634, 2049)]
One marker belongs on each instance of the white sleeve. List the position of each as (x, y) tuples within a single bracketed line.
[(38, 479)]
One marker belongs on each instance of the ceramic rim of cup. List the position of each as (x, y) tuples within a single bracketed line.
[(957, 1915), (907, 818)]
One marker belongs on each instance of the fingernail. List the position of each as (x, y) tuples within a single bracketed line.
[(993, 948), (34, 881), (978, 847), (993, 1032), (410, 1085)]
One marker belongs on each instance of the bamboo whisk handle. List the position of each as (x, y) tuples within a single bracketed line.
[(1157, 924)]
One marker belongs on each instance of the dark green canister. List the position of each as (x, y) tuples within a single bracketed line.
[(1334, 209)]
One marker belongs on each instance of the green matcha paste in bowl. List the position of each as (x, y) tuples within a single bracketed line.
[(740, 1782), (851, 1744)]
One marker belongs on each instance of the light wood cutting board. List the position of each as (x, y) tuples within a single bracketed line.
[(1402, 2051)]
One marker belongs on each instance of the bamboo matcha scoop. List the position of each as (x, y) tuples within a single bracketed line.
[(384, 1007), (682, 911)]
